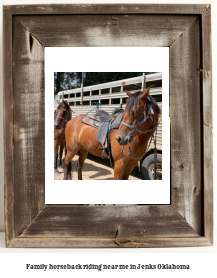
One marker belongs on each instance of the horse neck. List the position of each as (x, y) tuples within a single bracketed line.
[(70, 115), (67, 119), (155, 116), (58, 133)]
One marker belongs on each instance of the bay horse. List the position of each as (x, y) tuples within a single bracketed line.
[(128, 142), (61, 116)]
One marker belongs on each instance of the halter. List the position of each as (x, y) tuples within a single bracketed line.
[(134, 128), (65, 118)]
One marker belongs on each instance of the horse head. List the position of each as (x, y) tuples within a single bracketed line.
[(138, 116), (62, 115)]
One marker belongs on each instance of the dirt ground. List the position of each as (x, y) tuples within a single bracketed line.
[(95, 169)]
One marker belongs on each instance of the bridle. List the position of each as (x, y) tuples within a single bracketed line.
[(134, 128), (64, 120)]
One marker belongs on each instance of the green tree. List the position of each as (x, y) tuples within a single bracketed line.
[(64, 81), (93, 78), (70, 80)]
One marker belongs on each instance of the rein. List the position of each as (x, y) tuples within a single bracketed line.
[(139, 158), (130, 151)]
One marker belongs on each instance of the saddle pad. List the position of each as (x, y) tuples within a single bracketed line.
[(90, 121), (118, 119)]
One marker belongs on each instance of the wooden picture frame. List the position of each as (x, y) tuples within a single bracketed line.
[(186, 30)]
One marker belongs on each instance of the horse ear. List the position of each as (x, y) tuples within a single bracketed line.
[(58, 102), (128, 93), (144, 95)]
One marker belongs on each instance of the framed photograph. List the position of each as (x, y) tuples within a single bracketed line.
[(103, 163), (121, 36)]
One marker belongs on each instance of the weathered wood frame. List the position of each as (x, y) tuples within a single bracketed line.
[(186, 29)]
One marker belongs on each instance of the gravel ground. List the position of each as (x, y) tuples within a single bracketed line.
[(94, 170)]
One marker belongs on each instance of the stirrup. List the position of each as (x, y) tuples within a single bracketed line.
[(102, 148), (103, 154)]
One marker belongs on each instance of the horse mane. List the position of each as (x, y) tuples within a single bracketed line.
[(151, 100), (63, 104), (133, 101)]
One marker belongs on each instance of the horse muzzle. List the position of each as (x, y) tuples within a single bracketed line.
[(124, 140), (57, 126)]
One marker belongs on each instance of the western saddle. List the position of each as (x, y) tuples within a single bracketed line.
[(104, 122)]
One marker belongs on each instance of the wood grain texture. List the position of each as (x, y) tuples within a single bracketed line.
[(185, 111), (207, 67), (8, 125), (109, 222), (106, 9), (29, 121), (34, 242), (207, 122), (208, 182), (107, 30), (188, 222)]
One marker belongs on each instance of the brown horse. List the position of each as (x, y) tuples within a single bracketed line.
[(128, 142), (61, 116)]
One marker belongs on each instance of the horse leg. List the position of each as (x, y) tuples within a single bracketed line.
[(65, 151), (128, 170), (125, 177), (69, 171), (65, 146), (82, 156), (56, 172), (67, 168), (118, 170), (122, 171), (60, 157)]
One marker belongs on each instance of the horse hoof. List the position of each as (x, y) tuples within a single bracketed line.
[(56, 173), (60, 169)]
